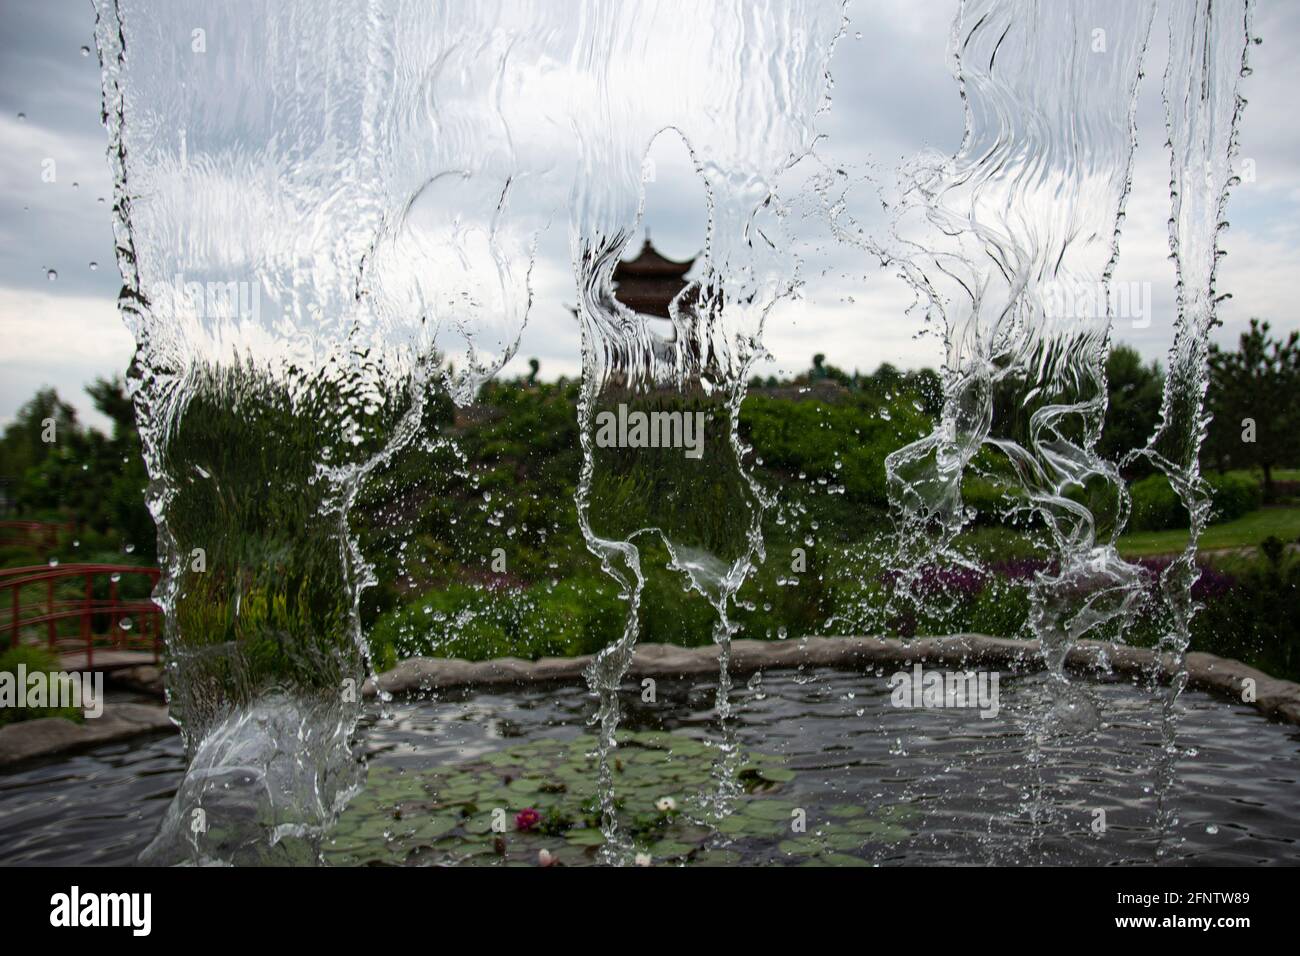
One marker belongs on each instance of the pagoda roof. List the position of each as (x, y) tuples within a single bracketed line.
[(651, 264)]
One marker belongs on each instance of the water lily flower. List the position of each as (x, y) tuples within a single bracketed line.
[(545, 858), (665, 804), (643, 859), (527, 818)]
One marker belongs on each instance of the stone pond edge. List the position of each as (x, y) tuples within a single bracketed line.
[(45, 736), (1274, 698)]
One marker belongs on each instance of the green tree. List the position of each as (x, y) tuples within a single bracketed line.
[(37, 432), (123, 479), (1134, 393), (110, 398), (1253, 399)]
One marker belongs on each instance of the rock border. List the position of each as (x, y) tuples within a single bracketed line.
[(1274, 698), (1278, 699), (46, 736)]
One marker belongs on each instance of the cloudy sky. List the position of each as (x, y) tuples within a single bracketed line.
[(893, 96)]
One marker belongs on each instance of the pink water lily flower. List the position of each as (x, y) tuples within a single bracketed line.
[(527, 818)]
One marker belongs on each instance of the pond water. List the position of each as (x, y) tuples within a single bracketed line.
[(825, 750)]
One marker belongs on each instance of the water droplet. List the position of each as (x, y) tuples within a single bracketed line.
[(1211, 829), (51, 275), (129, 548), (125, 624), (85, 51), (22, 117), (54, 562), (94, 266), (115, 577)]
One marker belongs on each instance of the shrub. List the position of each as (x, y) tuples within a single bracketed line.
[(1254, 618), (990, 500), (579, 615), (1248, 611), (1234, 496), (1155, 505), (35, 659), (1001, 609)]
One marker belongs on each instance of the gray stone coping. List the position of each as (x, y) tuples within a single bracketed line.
[(1279, 699), (52, 735)]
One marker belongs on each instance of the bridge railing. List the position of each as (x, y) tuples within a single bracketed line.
[(132, 623)]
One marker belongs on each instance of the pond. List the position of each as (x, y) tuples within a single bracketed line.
[(827, 773)]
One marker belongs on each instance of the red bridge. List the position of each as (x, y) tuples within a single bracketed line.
[(110, 630)]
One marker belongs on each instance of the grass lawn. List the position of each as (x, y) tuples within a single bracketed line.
[(1257, 476), (1251, 529)]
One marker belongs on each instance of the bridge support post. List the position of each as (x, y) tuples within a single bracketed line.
[(51, 628), (87, 630)]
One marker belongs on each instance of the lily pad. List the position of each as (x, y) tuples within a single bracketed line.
[(445, 815), (585, 837)]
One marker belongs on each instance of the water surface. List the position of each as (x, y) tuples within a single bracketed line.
[(877, 784)]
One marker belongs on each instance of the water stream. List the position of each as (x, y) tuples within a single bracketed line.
[(327, 219)]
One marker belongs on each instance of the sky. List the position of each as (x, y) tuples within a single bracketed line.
[(893, 96)]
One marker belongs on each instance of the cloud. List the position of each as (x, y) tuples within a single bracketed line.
[(59, 341), (893, 95)]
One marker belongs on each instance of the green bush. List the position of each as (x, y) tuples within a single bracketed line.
[(35, 659), (576, 616), (1234, 496), (1155, 505), (1001, 609), (1249, 611), (991, 500)]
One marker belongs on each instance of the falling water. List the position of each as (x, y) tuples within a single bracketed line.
[(327, 218), (742, 91), (1011, 243), (1209, 43), (309, 249)]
